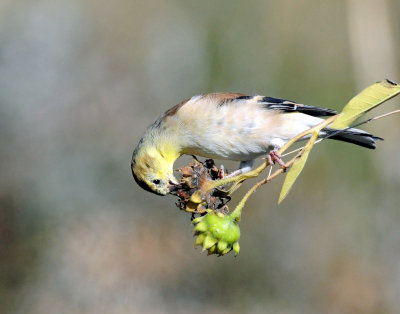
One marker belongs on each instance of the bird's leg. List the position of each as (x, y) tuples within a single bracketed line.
[(234, 173), (275, 157), (221, 172), (244, 167)]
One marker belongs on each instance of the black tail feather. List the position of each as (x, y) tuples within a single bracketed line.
[(353, 136)]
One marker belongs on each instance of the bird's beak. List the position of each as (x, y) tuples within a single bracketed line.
[(173, 184), (173, 181)]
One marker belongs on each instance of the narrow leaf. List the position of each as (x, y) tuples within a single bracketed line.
[(368, 99), (297, 167)]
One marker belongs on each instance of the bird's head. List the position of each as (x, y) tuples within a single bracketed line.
[(152, 169)]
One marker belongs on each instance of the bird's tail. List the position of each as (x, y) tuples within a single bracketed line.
[(354, 136)]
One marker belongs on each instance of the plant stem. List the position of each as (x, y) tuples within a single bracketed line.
[(256, 172), (238, 210)]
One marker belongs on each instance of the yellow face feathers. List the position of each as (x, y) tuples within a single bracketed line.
[(152, 167)]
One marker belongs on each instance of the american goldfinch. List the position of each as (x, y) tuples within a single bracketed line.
[(225, 126)]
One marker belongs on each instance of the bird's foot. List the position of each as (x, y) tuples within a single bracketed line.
[(274, 157)]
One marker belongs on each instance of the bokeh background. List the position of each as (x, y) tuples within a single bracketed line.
[(79, 82)]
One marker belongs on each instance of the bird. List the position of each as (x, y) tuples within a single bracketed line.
[(227, 126)]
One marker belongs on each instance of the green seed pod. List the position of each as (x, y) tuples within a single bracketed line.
[(218, 233), (236, 247), (212, 250), (227, 250), (197, 220), (209, 241), (200, 239), (222, 245), (201, 227)]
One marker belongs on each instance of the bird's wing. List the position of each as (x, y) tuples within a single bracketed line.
[(283, 105), (269, 103)]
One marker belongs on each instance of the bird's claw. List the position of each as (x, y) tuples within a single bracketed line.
[(274, 157)]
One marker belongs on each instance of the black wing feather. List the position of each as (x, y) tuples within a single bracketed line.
[(283, 105)]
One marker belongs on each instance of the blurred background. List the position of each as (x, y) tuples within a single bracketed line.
[(81, 80)]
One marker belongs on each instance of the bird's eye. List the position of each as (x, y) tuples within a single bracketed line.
[(156, 181)]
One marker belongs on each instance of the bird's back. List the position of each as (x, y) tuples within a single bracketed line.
[(236, 126)]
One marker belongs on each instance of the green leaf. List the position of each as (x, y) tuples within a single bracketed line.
[(297, 167), (368, 99)]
